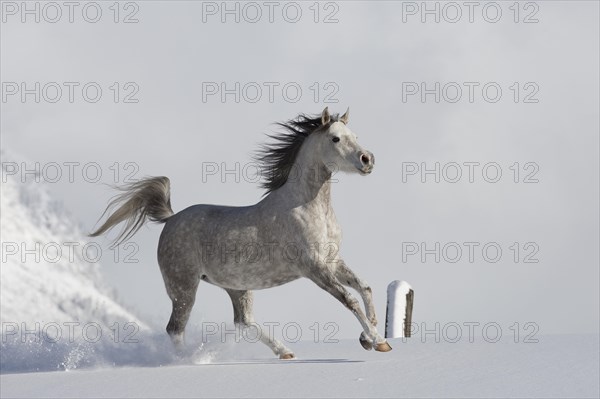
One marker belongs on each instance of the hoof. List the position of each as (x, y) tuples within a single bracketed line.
[(287, 356), (383, 347), (366, 343)]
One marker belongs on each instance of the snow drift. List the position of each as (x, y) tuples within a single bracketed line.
[(54, 309)]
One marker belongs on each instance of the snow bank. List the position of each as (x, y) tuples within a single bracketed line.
[(55, 311)]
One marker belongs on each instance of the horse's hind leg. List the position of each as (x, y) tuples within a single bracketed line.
[(243, 318), (183, 296)]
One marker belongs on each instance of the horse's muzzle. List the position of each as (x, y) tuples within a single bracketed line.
[(367, 160)]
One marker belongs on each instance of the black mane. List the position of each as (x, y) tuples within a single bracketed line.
[(278, 157)]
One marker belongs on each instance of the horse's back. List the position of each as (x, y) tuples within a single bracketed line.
[(204, 223), (231, 247)]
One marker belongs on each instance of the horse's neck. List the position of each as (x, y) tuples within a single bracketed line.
[(308, 186)]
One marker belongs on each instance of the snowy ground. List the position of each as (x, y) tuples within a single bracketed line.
[(556, 366), (40, 356)]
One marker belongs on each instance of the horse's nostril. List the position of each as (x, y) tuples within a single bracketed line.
[(364, 159)]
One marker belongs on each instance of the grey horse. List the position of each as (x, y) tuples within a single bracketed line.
[(291, 233)]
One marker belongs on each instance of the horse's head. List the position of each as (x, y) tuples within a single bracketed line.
[(339, 148), (313, 142)]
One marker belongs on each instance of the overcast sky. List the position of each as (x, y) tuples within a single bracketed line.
[(541, 133)]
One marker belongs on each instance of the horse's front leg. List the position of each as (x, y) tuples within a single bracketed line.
[(325, 278), (347, 277)]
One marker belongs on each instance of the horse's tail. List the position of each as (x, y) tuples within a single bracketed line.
[(148, 198)]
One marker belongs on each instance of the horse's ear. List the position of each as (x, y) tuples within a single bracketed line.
[(344, 118), (325, 117)]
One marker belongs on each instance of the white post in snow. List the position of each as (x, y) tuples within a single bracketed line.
[(398, 316)]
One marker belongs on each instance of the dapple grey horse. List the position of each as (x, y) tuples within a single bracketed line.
[(208, 242)]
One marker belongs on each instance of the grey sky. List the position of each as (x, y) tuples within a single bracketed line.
[(365, 57)]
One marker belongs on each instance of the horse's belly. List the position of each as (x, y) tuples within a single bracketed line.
[(249, 277)]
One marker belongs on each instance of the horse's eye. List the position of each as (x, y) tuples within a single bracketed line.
[(335, 139)]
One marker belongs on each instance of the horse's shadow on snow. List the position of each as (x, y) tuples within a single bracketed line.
[(279, 362)]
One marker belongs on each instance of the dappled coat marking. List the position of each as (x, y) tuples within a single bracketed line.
[(206, 242)]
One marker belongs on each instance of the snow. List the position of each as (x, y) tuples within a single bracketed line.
[(65, 335), (44, 274), (557, 366), (49, 292), (396, 308)]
